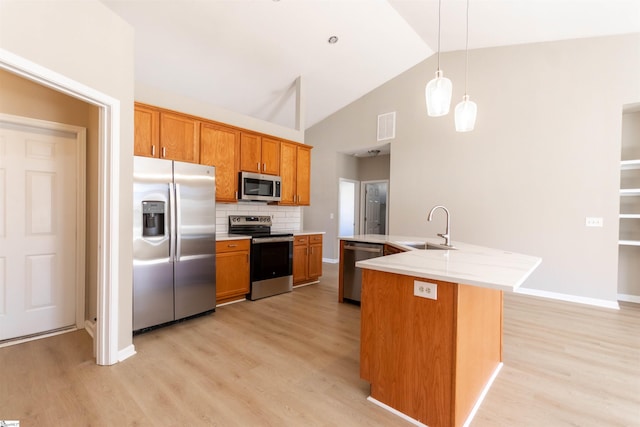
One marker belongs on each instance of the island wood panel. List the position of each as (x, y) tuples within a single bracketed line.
[(429, 359), (407, 346), (478, 344)]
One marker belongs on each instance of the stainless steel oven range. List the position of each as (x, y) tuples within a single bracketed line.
[(271, 255)]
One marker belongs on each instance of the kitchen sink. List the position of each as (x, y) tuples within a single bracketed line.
[(427, 246)]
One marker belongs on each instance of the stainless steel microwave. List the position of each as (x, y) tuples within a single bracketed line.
[(259, 187)]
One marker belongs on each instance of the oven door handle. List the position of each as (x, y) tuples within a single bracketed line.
[(272, 239)]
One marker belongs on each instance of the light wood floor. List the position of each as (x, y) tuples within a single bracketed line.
[(292, 360)]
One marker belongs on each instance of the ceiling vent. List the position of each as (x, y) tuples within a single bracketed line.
[(386, 126)]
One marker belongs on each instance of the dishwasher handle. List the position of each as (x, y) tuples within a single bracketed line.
[(363, 249)]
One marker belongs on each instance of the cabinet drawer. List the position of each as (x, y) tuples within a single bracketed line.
[(315, 238), (300, 240), (232, 245)]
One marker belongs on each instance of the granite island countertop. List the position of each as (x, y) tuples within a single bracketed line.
[(466, 264)]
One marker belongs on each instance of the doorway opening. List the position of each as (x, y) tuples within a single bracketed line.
[(106, 328), (375, 207), (349, 201)]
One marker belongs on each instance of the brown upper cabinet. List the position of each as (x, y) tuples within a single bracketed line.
[(295, 170), (220, 147), (146, 141), (165, 135), (179, 137), (259, 154)]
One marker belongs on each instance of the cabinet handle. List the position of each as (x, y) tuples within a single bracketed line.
[(164, 152), (264, 166), (236, 195), (153, 150), (232, 246), (258, 166)]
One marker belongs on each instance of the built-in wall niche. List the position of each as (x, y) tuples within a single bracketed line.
[(629, 237)]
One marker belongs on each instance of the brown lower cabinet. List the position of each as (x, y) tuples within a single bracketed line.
[(232, 270), (307, 258)]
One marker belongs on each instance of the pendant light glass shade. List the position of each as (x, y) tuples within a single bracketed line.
[(438, 95), (466, 112)]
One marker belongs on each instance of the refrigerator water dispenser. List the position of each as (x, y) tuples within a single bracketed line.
[(153, 219)]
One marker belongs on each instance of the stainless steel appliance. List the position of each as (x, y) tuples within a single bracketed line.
[(352, 275), (259, 187), (271, 255), (174, 226)]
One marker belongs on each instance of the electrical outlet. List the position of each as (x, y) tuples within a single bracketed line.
[(593, 221), (425, 289)]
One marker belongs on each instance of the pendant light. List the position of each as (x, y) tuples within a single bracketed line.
[(466, 110), (438, 90)]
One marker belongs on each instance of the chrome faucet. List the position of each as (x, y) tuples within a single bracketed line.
[(447, 234)]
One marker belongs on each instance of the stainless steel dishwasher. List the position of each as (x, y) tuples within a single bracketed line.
[(351, 275)]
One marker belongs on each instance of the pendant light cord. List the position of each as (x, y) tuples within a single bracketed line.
[(466, 57), (439, 9)]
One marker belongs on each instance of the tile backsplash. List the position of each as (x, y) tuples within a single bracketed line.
[(283, 217)]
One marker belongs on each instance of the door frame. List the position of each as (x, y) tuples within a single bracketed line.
[(80, 135), (363, 203), (106, 336), (356, 207)]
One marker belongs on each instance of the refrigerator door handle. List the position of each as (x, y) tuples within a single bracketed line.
[(178, 225), (172, 223)]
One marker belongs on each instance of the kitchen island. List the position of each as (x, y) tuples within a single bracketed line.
[(431, 325)]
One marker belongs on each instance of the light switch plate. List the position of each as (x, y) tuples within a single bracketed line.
[(425, 289), (593, 221)]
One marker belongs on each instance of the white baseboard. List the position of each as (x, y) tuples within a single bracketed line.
[(126, 353), (485, 390), (629, 298), (396, 412), (331, 260), (570, 298)]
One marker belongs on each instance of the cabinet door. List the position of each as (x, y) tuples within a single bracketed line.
[(250, 152), (232, 274), (270, 156), (315, 261), (303, 176), (147, 129), (300, 263), (288, 173), (179, 137), (220, 147)]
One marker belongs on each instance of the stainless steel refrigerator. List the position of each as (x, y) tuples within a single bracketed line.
[(174, 241)]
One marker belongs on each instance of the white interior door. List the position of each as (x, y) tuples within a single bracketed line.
[(376, 208), (38, 223)]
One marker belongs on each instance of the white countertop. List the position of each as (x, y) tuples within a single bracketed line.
[(467, 264), (226, 236)]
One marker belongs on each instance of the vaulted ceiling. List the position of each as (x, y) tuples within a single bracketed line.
[(245, 55)]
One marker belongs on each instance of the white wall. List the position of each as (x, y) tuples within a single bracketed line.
[(86, 42), (162, 98), (544, 155)]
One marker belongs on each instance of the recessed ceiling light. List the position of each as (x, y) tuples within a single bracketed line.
[(333, 40)]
